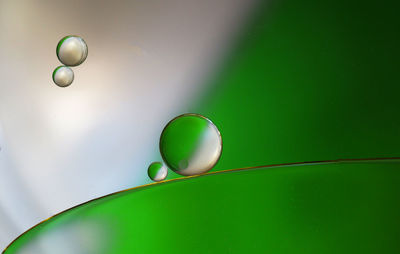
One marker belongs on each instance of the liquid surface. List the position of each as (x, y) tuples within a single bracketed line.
[(340, 207)]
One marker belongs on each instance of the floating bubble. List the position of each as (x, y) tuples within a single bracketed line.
[(72, 50), (190, 144), (63, 76), (157, 171)]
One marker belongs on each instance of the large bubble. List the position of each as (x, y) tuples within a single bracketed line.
[(190, 144), (72, 50)]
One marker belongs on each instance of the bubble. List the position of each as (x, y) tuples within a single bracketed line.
[(63, 76), (190, 144), (72, 50), (157, 171)]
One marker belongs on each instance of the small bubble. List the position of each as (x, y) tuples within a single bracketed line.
[(72, 50), (190, 144), (157, 171), (63, 76)]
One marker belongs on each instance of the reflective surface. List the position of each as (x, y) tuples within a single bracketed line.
[(63, 76), (190, 144), (325, 207), (157, 171), (72, 50)]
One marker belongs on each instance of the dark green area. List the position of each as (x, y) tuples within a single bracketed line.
[(328, 208), (309, 80)]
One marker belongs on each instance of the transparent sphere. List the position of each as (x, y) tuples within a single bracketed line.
[(63, 76), (190, 144), (72, 50), (157, 171)]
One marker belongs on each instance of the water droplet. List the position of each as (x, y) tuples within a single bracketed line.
[(190, 144), (63, 76), (72, 50), (157, 171)]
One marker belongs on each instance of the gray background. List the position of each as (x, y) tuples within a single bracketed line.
[(146, 62)]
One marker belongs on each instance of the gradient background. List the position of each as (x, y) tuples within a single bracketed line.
[(284, 81)]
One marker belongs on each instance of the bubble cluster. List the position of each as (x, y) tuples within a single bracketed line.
[(71, 51), (157, 171), (63, 76)]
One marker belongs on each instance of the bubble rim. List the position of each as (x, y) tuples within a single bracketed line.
[(60, 42), (197, 115)]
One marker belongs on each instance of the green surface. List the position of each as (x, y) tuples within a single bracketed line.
[(322, 208)]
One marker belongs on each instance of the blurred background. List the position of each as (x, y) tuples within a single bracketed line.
[(147, 61), (283, 80)]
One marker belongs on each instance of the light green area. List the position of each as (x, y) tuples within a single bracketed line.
[(180, 138), (153, 169), (328, 208)]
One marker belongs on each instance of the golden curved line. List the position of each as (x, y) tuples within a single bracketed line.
[(213, 173)]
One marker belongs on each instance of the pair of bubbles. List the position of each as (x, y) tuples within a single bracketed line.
[(190, 144), (71, 51)]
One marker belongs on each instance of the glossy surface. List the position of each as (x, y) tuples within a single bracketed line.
[(63, 76), (157, 171), (190, 144), (346, 207), (72, 50)]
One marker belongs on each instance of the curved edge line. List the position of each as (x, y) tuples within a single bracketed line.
[(209, 173)]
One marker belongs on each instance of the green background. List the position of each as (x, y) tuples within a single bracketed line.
[(309, 80)]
